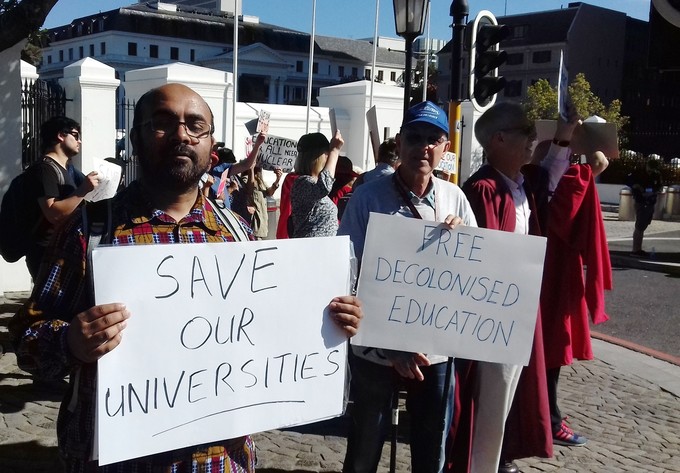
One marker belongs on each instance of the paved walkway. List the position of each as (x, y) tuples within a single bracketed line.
[(626, 403)]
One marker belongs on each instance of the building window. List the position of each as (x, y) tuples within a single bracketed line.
[(298, 66), (70, 54), (81, 52), (49, 59), (515, 59), (393, 76), (519, 31), (513, 88), (355, 72), (367, 74), (92, 50), (132, 49), (192, 55), (541, 57), (153, 50), (315, 68), (174, 53), (341, 71), (61, 56), (380, 75), (102, 48)]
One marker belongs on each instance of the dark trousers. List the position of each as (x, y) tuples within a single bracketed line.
[(553, 376), (429, 404)]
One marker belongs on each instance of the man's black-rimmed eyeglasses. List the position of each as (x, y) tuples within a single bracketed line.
[(197, 129), (75, 134)]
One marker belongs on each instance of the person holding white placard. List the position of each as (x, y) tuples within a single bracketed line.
[(59, 331), (412, 191)]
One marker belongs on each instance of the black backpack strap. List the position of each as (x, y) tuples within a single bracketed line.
[(58, 169), (97, 229)]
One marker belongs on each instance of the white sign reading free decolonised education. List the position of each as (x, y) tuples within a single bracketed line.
[(468, 292), (224, 339)]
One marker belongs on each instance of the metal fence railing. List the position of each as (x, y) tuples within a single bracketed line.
[(40, 101)]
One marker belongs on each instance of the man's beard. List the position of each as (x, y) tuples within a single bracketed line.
[(175, 175)]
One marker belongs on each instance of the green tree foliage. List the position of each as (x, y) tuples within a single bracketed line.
[(542, 101), (542, 104)]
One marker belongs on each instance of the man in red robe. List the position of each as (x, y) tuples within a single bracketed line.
[(504, 199)]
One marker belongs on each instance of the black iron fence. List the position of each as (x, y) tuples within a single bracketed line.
[(40, 101), (124, 114), (618, 169)]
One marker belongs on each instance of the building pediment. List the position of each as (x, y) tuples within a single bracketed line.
[(258, 53)]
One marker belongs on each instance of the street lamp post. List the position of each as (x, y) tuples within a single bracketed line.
[(409, 20)]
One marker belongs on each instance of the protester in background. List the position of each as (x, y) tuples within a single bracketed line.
[(284, 206), (59, 331), (576, 245), (388, 161), (646, 183), (259, 192), (53, 186), (226, 162), (342, 187), (411, 192), (313, 213)]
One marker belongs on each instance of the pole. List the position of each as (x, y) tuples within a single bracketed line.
[(234, 68), (426, 66), (407, 72), (459, 11), (311, 65), (369, 146)]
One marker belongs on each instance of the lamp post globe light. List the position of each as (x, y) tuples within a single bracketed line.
[(409, 21)]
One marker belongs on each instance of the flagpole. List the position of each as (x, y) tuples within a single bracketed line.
[(427, 53), (310, 68), (369, 145), (235, 74)]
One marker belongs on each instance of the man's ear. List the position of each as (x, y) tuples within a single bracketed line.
[(447, 146)]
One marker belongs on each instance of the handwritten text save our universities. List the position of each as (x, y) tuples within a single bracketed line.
[(236, 327), (217, 345)]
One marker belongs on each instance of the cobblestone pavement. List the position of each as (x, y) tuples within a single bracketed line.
[(633, 425)]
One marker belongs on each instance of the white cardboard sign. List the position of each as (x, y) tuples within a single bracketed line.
[(277, 153), (468, 292), (109, 178), (225, 339), (448, 163)]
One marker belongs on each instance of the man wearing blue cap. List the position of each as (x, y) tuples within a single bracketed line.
[(412, 192)]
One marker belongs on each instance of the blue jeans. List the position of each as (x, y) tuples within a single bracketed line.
[(372, 388)]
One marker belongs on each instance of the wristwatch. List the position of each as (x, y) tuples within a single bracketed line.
[(562, 143)]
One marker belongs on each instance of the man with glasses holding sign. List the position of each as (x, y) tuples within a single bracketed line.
[(59, 331), (411, 191)]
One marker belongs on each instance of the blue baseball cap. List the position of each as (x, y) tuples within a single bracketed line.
[(426, 112)]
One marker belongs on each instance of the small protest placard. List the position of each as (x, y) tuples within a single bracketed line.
[(588, 137), (468, 292), (334, 121), (448, 163), (225, 339), (263, 122), (277, 153), (373, 131), (563, 90), (109, 179)]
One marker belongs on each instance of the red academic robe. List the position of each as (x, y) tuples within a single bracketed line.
[(285, 206), (576, 236), (528, 430)]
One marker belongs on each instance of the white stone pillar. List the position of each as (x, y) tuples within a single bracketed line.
[(90, 88), (14, 276), (211, 84), (351, 102)]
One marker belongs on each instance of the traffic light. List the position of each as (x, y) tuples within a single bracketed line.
[(485, 57)]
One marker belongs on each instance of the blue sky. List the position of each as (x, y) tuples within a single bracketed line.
[(352, 18)]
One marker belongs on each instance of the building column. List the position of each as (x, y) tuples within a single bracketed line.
[(90, 88)]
